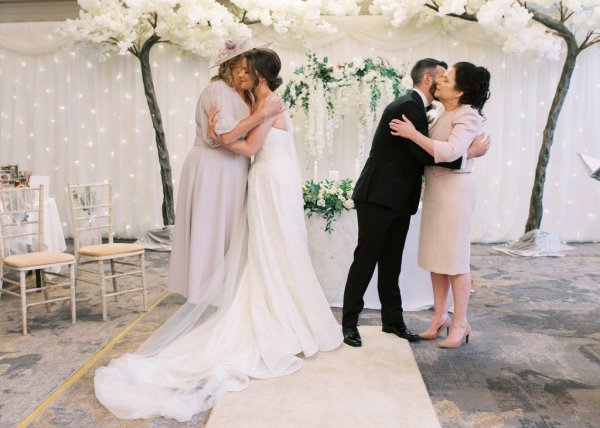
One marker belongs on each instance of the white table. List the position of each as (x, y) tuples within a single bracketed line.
[(54, 238), (332, 254)]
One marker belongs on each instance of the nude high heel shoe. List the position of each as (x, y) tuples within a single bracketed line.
[(451, 343), (428, 335)]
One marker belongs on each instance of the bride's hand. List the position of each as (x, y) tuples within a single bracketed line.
[(213, 116), (402, 128)]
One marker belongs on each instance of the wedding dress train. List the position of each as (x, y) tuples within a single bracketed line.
[(263, 308)]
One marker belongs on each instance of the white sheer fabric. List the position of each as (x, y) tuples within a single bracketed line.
[(75, 119), (251, 320)]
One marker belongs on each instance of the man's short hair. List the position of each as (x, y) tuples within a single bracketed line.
[(425, 66)]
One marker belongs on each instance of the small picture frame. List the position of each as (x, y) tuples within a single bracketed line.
[(6, 175)]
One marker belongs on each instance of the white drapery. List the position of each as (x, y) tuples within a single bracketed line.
[(78, 120)]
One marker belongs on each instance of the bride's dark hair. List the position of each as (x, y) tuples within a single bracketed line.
[(266, 63)]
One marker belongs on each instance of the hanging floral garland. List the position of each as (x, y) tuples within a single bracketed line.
[(322, 91)]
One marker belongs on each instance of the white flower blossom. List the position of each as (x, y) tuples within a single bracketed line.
[(511, 21), (196, 27), (293, 15), (400, 12), (370, 76), (536, 36), (348, 204), (340, 7), (358, 63), (452, 6), (337, 73)]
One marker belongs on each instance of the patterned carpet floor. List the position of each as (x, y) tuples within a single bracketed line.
[(533, 359)]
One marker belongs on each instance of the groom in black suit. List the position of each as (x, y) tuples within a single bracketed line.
[(387, 193)]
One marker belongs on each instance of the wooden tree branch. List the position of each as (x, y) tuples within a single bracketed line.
[(536, 209), (168, 211), (568, 16), (552, 23), (464, 16), (589, 41)]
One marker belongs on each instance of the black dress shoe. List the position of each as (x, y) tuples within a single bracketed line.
[(351, 336), (400, 330)]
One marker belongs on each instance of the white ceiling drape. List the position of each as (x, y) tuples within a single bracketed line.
[(78, 120)]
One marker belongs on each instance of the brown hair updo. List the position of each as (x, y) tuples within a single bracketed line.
[(266, 63)]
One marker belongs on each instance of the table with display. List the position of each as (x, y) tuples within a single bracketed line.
[(332, 255)]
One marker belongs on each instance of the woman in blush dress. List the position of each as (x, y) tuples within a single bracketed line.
[(449, 198), (212, 187), (259, 315)]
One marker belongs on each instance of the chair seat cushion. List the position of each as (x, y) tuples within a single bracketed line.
[(37, 259), (104, 250)]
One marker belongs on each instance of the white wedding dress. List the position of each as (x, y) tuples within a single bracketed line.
[(264, 309)]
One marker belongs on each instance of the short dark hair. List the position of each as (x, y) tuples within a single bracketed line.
[(425, 66), (474, 82), (267, 63)]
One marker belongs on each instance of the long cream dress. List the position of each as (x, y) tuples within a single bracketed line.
[(211, 196), (449, 197)]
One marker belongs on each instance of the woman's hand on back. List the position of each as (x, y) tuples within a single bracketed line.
[(213, 116), (403, 128)]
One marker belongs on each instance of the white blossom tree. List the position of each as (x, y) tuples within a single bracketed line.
[(197, 27), (542, 26)]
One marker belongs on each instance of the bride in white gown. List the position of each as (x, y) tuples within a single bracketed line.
[(259, 312)]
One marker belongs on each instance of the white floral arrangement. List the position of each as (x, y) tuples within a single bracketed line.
[(328, 198), (322, 91), (519, 25), (195, 27)]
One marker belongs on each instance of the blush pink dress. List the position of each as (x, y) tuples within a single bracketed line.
[(449, 197), (212, 194)]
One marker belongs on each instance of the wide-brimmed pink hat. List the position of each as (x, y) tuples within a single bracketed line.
[(235, 47)]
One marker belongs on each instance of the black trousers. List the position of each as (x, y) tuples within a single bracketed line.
[(381, 237)]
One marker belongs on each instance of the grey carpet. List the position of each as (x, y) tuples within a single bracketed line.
[(533, 359), (33, 366)]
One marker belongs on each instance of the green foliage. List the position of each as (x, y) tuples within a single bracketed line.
[(319, 74), (328, 198)]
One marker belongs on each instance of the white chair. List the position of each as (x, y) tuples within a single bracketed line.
[(21, 230), (91, 212)]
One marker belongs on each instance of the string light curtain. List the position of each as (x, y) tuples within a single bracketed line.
[(78, 120)]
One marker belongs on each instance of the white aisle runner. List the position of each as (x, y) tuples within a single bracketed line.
[(377, 385)]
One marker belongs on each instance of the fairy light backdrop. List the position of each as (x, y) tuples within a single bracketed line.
[(78, 120)]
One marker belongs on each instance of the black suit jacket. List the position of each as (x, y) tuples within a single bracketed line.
[(392, 175)]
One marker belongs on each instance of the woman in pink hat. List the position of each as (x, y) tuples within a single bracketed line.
[(212, 187)]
